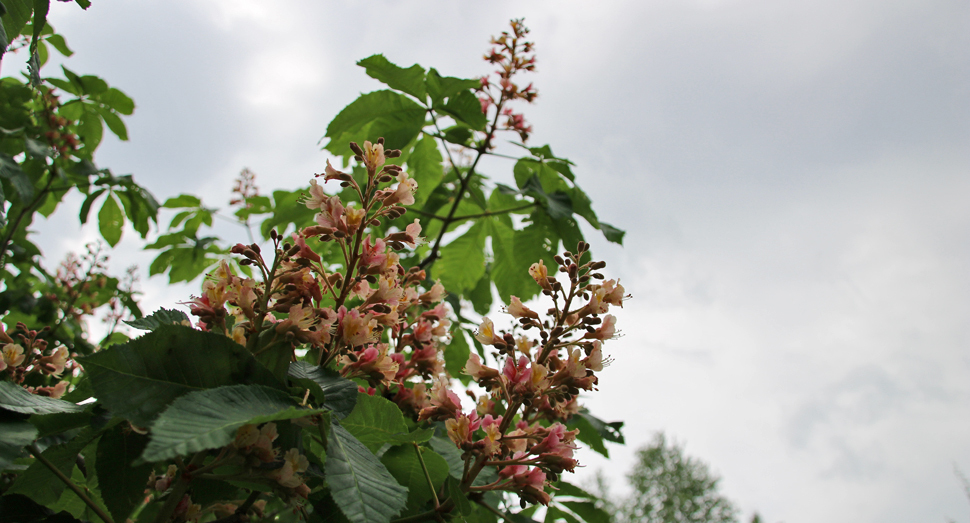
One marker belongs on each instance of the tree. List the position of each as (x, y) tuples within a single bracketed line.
[(670, 487), (311, 381)]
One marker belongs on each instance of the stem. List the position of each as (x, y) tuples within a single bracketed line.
[(427, 476), (70, 484), (418, 518), (178, 490), (463, 185), (470, 216)]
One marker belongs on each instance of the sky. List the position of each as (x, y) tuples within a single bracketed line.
[(793, 177)]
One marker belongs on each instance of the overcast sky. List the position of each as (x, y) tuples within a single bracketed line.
[(793, 177)]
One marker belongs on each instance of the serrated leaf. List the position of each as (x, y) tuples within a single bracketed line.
[(456, 355), (16, 17), (11, 171), (375, 421), (462, 261), (588, 511), (118, 101), (359, 483), (140, 379), (158, 318), (111, 220), (424, 165), (464, 107), (456, 465), (15, 399), (208, 419), (15, 433), (402, 462), (612, 233), (410, 80), (122, 485), (453, 491), (328, 387), (39, 482), (386, 114), (441, 87), (181, 201), (114, 123)]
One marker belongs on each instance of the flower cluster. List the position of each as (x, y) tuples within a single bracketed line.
[(382, 325), (512, 55), (31, 362), (518, 425)]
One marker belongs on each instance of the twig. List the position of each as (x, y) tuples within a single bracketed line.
[(70, 484)]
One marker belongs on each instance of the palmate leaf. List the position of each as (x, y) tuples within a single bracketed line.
[(140, 379), (335, 392), (208, 419), (359, 483)]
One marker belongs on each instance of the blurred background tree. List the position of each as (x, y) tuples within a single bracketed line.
[(669, 487)]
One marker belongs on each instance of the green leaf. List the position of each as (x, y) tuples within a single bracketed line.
[(15, 433), (114, 123), (359, 483), (39, 482), (140, 379), (554, 515), (588, 511), (456, 465), (17, 508), (86, 206), (111, 220), (557, 204), (611, 431), (612, 233), (375, 421), (11, 171), (410, 80), (41, 7), (15, 399), (402, 462), (424, 165), (90, 128), (464, 107), (18, 13), (510, 267), (462, 261), (118, 101), (441, 87), (181, 201), (60, 44), (122, 485), (208, 419), (453, 490), (158, 318), (456, 355), (328, 387), (386, 114)]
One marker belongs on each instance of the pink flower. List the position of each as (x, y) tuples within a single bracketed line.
[(517, 310), (480, 373), (355, 329), (404, 193), (486, 332), (373, 156), (540, 274), (605, 331), (13, 355)]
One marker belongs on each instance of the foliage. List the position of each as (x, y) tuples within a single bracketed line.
[(314, 378), (671, 487)]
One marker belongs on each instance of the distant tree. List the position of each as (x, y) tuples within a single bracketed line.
[(670, 487)]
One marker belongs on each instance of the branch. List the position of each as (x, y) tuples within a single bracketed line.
[(470, 216), (427, 476), (70, 484)]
